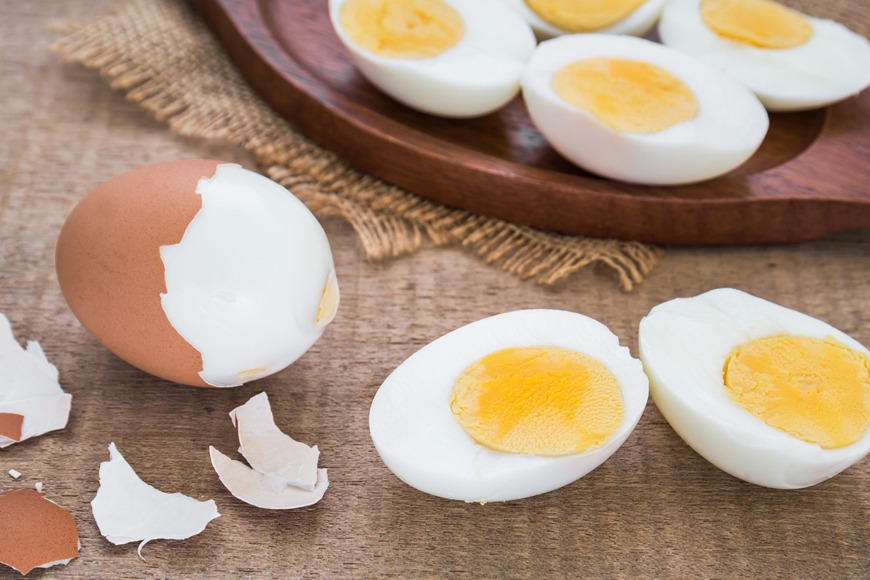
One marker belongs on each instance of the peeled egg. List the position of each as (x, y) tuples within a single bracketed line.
[(199, 272), (791, 61), (451, 58), (508, 407), (636, 111), (767, 394), (550, 18)]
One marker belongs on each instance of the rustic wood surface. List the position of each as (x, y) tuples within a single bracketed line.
[(655, 509), (500, 165)]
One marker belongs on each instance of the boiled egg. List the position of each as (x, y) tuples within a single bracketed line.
[(200, 272), (451, 58), (767, 394), (791, 61), (508, 407), (636, 111), (550, 18)]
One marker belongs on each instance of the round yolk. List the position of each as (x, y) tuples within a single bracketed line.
[(815, 390), (628, 95), (541, 400), (402, 28), (760, 23), (583, 15)]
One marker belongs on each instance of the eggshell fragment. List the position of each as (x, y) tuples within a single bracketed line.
[(270, 451), (31, 399), (14, 473), (35, 532), (127, 509), (264, 490)]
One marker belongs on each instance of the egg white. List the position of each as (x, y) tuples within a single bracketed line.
[(477, 76), (684, 344), (638, 23), (832, 65), (420, 440), (730, 125)]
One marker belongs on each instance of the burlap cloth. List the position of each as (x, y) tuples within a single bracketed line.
[(160, 53)]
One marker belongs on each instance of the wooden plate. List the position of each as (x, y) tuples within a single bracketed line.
[(809, 179)]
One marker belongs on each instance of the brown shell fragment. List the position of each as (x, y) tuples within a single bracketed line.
[(35, 532), (10, 425)]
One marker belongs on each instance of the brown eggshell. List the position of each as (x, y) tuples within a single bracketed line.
[(10, 425), (34, 531), (109, 266)]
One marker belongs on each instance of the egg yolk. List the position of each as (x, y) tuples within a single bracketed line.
[(402, 28), (815, 390), (628, 95), (541, 400), (760, 23), (583, 15)]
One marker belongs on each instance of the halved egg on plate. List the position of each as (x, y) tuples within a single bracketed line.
[(508, 407), (636, 111), (450, 58), (550, 18), (791, 61)]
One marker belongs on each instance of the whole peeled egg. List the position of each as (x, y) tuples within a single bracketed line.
[(636, 111), (450, 58), (199, 272), (791, 61), (508, 407), (550, 18), (765, 393)]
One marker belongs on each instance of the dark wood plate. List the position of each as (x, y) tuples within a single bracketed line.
[(809, 179)]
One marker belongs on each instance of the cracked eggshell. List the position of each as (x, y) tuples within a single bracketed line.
[(199, 272), (35, 532)]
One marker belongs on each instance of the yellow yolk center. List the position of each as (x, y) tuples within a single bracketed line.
[(815, 390), (402, 28), (583, 15), (628, 95), (760, 23), (541, 400)]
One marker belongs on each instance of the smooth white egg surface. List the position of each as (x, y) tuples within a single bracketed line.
[(765, 393), (427, 428), (650, 114), (251, 285), (791, 61), (450, 58), (549, 18)]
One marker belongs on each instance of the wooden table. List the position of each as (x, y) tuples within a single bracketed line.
[(654, 509)]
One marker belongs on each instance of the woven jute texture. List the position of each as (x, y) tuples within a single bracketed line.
[(162, 56)]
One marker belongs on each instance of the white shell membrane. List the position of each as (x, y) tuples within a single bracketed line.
[(420, 440)]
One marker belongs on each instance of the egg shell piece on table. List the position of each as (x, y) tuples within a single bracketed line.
[(832, 65), (127, 509), (35, 532), (197, 271), (283, 473), (269, 450), (684, 345), (32, 401), (476, 76), (421, 442), (729, 127), (637, 23)]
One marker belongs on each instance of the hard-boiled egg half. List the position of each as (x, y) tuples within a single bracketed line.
[(767, 394), (508, 407), (790, 60), (550, 18), (199, 272), (633, 110), (451, 58)]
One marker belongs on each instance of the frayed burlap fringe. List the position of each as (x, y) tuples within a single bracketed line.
[(163, 57)]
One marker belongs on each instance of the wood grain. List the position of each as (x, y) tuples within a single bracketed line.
[(500, 165), (655, 509)]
